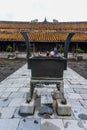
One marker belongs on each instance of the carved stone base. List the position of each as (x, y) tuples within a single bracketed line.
[(27, 108), (63, 109)]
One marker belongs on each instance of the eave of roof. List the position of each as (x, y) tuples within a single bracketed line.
[(42, 32)]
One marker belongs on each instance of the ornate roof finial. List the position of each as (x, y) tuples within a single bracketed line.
[(45, 20)]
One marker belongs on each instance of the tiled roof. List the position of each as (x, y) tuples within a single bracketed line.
[(42, 31)]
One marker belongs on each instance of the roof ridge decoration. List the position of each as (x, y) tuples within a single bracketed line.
[(45, 20)]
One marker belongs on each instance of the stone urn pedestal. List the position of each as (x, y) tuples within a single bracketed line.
[(63, 109)]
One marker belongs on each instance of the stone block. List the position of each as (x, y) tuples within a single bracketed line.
[(47, 99), (44, 91), (27, 108), (63, 109)]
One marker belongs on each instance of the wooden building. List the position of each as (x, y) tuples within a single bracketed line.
[(43, 35)]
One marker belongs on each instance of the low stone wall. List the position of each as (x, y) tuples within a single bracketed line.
[(18, 55)]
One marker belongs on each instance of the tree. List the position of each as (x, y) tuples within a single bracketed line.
[(61, 49), (9, 48), (79, 51)]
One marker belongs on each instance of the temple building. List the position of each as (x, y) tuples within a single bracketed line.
[(43, 36)]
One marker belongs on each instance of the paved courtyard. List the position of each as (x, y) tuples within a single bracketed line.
[(13, 92)]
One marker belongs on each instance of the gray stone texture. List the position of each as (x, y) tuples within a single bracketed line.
[(27, 108), (63, 109), (29, 124), (13, 92)]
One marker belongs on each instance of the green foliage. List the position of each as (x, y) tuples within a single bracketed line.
[(61, 49), (9, 48), (79, 50)]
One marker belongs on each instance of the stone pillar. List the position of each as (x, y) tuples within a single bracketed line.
[(61, 90)]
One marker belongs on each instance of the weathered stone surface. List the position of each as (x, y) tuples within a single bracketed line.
[(84, 103), (82, 116), (84, 96), (74, 103), (47, 99), (74, 96), (27, 108), (16, 102), (80, 113), (11, 89), (6, 94), (17, 94), (81, 90), (44, 91), (52, 124), (68, 90), (4, 102), (10, 100), (63, 109), (9, 124), (75, 124), (45, 110), (29, 124), (75, 82), (7, 112)]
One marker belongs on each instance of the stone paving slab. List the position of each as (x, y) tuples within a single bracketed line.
[(17, 94), (74, 96), (24, 89), (84, 103), (15, 102), (1, 94), (4, 102), (75, 124), (80, 90), (13, 92), (77, 86), (6, 94), (9, 124), (7, 112), (16, 113), (2, 88), (84, 96), (83, 83), (75, 103), (29, 124), (12, 89), (69, 90), (80, 113)]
